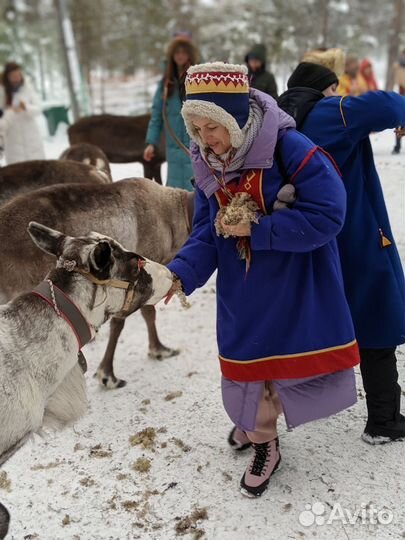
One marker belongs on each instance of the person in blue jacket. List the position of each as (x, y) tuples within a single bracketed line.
[(284, 331), (166, 107), (372, 270)]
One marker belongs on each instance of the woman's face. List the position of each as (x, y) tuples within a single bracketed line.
[(180, 57), (15, 77), (213, 135)]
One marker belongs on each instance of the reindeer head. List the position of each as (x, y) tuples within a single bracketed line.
[(119, 281)]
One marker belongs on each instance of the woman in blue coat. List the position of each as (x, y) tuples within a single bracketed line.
[(167, 102), (284, 331), (372, 270)]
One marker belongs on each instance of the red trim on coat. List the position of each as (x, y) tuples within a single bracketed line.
[(303, 163), (297, 367), (306, 159)]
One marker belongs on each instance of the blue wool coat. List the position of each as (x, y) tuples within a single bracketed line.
[(179, 170), (373, 274), (288, 316)]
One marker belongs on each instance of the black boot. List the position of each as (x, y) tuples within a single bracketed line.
[(391, 431), (383, 395)]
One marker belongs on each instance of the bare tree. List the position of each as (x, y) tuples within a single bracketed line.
[(394, 38), (68, 50), (325, 22)]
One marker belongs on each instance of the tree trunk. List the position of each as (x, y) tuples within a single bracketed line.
[(325, 23), (394, 38), (69, 51)]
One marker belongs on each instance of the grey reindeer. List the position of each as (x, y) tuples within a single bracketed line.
[(41, 382)]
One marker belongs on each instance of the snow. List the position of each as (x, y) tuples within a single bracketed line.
[(80, 484)]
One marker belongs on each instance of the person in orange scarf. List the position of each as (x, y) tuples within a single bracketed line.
[(351, 83), (366, 70)]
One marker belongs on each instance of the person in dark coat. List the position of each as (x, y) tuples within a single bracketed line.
[(259, 77), (284, 331), (372, 270)]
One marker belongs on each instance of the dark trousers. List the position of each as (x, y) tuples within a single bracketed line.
[(380, 380), (397, 147)]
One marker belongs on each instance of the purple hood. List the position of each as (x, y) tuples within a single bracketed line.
[(260, 155)]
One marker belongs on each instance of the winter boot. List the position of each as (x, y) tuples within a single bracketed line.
[(263, 464), (238, 439), (385, 433)]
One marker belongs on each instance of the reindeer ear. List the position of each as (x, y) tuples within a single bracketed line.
[(101, 255), (47, 239)]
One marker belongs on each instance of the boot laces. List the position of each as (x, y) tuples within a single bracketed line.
[(261, 458)]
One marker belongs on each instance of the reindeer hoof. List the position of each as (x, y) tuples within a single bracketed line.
[(163, 352), (109, 381)]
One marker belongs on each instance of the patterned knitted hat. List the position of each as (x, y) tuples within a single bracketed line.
[(219, 92)]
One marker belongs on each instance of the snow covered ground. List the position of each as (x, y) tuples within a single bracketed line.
[(92, 482)]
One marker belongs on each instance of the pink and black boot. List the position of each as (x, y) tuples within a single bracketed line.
[(263, 464)]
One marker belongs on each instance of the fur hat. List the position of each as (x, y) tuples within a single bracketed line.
[(220, 92), (312, 76), (183, 42), (333, 59)]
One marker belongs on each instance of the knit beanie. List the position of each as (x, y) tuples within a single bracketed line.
[(312, 76), (220, 92)]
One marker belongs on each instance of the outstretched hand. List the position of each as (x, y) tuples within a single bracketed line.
[(173, 290)]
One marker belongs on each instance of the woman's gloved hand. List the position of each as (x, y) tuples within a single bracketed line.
[(285, 197)]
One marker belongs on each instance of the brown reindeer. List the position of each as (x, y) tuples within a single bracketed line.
[(122, 139), (89, 154), (26, 176), (142, 215)]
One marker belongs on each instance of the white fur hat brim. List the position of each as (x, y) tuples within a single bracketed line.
[(206, 109)]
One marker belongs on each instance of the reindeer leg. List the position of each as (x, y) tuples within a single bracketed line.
[(151, 170), (105, 371), (156, 349), (157, 175)]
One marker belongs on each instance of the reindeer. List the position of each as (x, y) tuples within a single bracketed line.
[(26, 176), (41, 382), (122, 139), (89, 154), (142, 215)]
